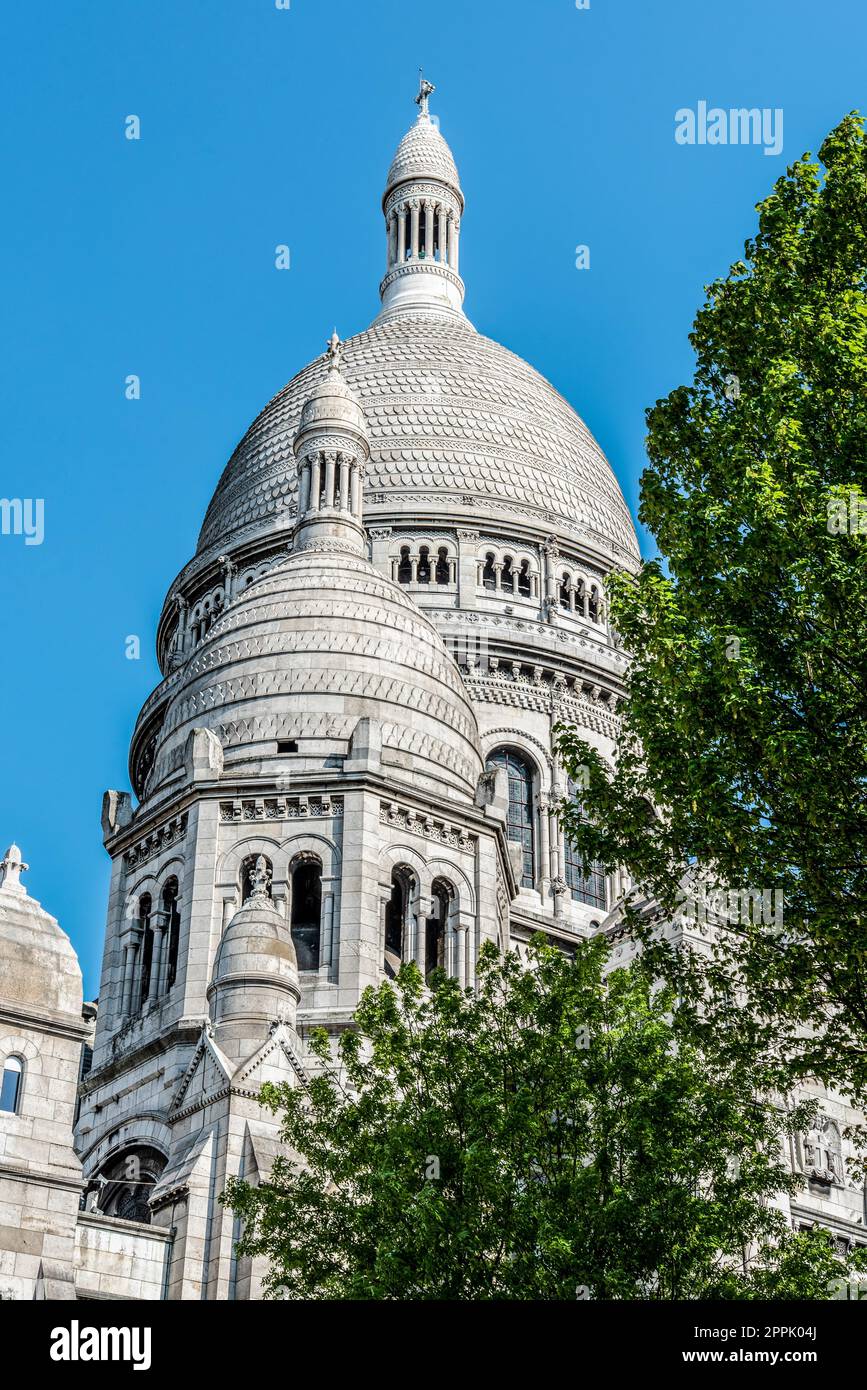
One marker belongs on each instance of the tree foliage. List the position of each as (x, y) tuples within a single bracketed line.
[(746, 720), (556, 1134)]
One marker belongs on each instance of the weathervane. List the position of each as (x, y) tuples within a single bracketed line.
[(424, 90)]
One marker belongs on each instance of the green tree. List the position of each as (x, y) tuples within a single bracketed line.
[(553, 1135), (746, 720)]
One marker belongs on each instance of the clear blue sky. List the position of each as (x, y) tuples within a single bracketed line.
[(262, 126)]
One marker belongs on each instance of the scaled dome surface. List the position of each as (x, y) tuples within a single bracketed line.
[(454, 420), (320, 641)]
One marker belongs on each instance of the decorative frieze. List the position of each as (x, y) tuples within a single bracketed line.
[(262, 808), (156, 842), (415, 823)]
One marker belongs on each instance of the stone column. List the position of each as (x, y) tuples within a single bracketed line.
[(129, 962), (391, 245), (443, 232), (303, 486), (181, 630), (454, 245), (344, 482), (357, 477), (414, 217), (544, 868), (401, 235), (330, 467), (158, 923), (315, 484), (428, 229)]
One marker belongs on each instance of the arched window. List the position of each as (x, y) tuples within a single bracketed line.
[(436, 927), (423, 572), (404, 569), (126, 1184), (507, 578), (147, 945), (396, 919), (593, 605), (247, 868), (524, 587), (521, 814), (580, 598), (586, 883), (306, 913), (489, 574), (443, 568), (10, 1090), (172, 928), (564, 592)]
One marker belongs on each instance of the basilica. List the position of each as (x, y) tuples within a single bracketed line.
[(350, 761)]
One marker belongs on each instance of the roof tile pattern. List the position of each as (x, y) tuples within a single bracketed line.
[(422, 154), (449, 411)]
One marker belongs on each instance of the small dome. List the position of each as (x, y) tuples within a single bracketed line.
[(39, 970), (257, 942), (319, 642), (332, 402), (423, 154)]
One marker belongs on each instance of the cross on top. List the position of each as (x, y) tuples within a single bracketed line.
[(424, 90)]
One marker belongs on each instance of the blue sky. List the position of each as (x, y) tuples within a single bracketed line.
[(262, 126)]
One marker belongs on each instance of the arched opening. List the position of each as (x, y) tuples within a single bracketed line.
[(442, 569), (507, 578), (489, 574), (564, 592), (397, 911), (581, 598), (586, 882), (247, 868), (172, 928), (524, 586), (593, 604), (147, 945), (306, 912), (521, 822), (423, 573), (12, 1085), (404, 569), (436, 927), (127, 1182)]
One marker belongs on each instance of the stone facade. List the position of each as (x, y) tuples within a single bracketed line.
[(349, 762)]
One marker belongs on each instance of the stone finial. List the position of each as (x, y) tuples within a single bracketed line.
[(335, 352), (260, 878), (425, 90), (11, 867)]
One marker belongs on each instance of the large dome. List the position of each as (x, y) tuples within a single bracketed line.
[(454, 419), (321, 641)]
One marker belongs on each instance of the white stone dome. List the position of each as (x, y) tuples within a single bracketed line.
[(454, 421), (422, 154), (319, 642), (39, 970)]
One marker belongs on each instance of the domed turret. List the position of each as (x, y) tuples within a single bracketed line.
[(255, 977), (331, 449), (38, 968), (423, 204)]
